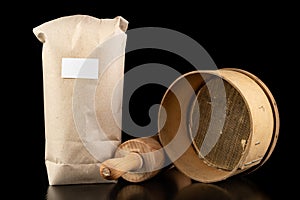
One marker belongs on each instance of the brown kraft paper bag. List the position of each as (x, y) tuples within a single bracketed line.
[(83, 68)]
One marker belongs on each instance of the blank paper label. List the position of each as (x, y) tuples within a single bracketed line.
[(80, 68)]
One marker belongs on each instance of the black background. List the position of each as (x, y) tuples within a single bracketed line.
[(256, 38)]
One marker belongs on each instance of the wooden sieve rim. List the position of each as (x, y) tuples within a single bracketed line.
[(275, 117)]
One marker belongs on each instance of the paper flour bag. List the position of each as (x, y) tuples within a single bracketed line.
[(83, 67)]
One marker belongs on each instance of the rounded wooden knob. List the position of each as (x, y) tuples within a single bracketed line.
[(135, 160)]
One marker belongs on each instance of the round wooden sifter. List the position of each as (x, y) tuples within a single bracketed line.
[(227, 122)]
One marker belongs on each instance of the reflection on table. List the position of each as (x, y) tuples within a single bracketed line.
[(168, 185)]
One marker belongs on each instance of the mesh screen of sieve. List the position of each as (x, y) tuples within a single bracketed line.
[(220, 124)]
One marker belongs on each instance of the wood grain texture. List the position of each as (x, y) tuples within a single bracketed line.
[(113, 169), (135, 160)]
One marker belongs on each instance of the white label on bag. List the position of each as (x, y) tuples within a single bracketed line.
[(80, 68)]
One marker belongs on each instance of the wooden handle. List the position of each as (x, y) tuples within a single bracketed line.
[(114, 168), (135, 160)]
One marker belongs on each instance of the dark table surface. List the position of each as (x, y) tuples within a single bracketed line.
[(166, 186)]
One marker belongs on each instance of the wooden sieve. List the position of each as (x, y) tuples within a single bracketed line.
[(224, 123)]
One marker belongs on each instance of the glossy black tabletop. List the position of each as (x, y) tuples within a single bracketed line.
[(166, 186)]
